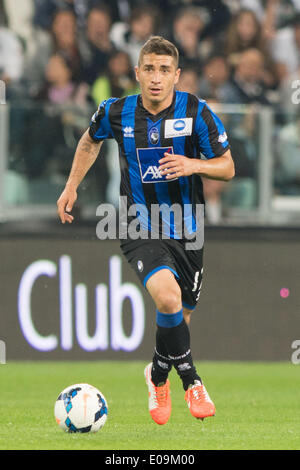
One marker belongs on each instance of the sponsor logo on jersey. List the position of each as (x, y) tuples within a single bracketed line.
[(148, 160), (178, 127), (153, 173), (128, 131), (222, 138)]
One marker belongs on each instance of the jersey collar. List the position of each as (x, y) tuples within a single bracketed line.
[(161, 114)]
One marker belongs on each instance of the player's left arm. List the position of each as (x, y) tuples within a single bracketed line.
[(218, 168), (210, 140)]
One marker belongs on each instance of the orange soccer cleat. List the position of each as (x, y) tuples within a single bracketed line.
[(198, 401), (159, 398)]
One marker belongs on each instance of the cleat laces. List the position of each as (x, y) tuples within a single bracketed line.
[(199, 393), (161, 394)]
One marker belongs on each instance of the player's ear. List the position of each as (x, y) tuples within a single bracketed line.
[(177, 75), (136, 69)]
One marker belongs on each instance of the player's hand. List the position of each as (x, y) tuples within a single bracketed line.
[(174, 166), (65, 204)]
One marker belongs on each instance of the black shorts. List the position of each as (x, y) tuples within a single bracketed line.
[(147, 257)]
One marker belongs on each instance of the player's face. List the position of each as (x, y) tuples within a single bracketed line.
[(157, 75)]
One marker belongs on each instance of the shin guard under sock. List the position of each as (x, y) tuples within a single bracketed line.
[(173, 348)]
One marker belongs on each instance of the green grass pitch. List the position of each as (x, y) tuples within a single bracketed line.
[(258, 407)]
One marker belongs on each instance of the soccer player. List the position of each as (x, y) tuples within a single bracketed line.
[(161, 135)]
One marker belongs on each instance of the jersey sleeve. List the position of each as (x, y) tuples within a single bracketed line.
[(210, 133), (100, 128)]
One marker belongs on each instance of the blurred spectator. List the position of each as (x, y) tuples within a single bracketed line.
[(118, 80), (273, 13), (36, 45), (245, 31), (256, 6), (215, 75), (64, 31), (19, 18), (242, 191), (285, 11), (120, 9), (189, 80), (246, 84), (61, 87), (62, 39), (220, 17), (132, 36), (98, 47), (266, 11), (188, 25), (285, 49), (62, 109), (217, 11), (46, 9), (11, 56), (288, 157)]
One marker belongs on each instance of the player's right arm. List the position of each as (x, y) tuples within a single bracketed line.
[(85, 155)]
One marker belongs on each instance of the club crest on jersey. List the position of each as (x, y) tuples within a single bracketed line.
[(154, 135), (140, 265), (178, 127), (128, 131)]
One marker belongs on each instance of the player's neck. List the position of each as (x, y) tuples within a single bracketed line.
[(156, 107)]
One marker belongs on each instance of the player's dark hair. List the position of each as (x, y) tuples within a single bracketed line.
[(159, 46)]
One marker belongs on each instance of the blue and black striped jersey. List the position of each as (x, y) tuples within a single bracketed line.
[(188, 127)]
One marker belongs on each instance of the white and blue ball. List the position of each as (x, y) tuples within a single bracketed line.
[(81, 408)]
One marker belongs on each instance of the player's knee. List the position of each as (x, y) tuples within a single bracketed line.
[(168, 301)]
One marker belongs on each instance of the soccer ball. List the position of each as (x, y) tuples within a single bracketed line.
[(81, 408)]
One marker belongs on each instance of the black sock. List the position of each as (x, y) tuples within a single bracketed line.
[(176, 338), (161, 364)]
